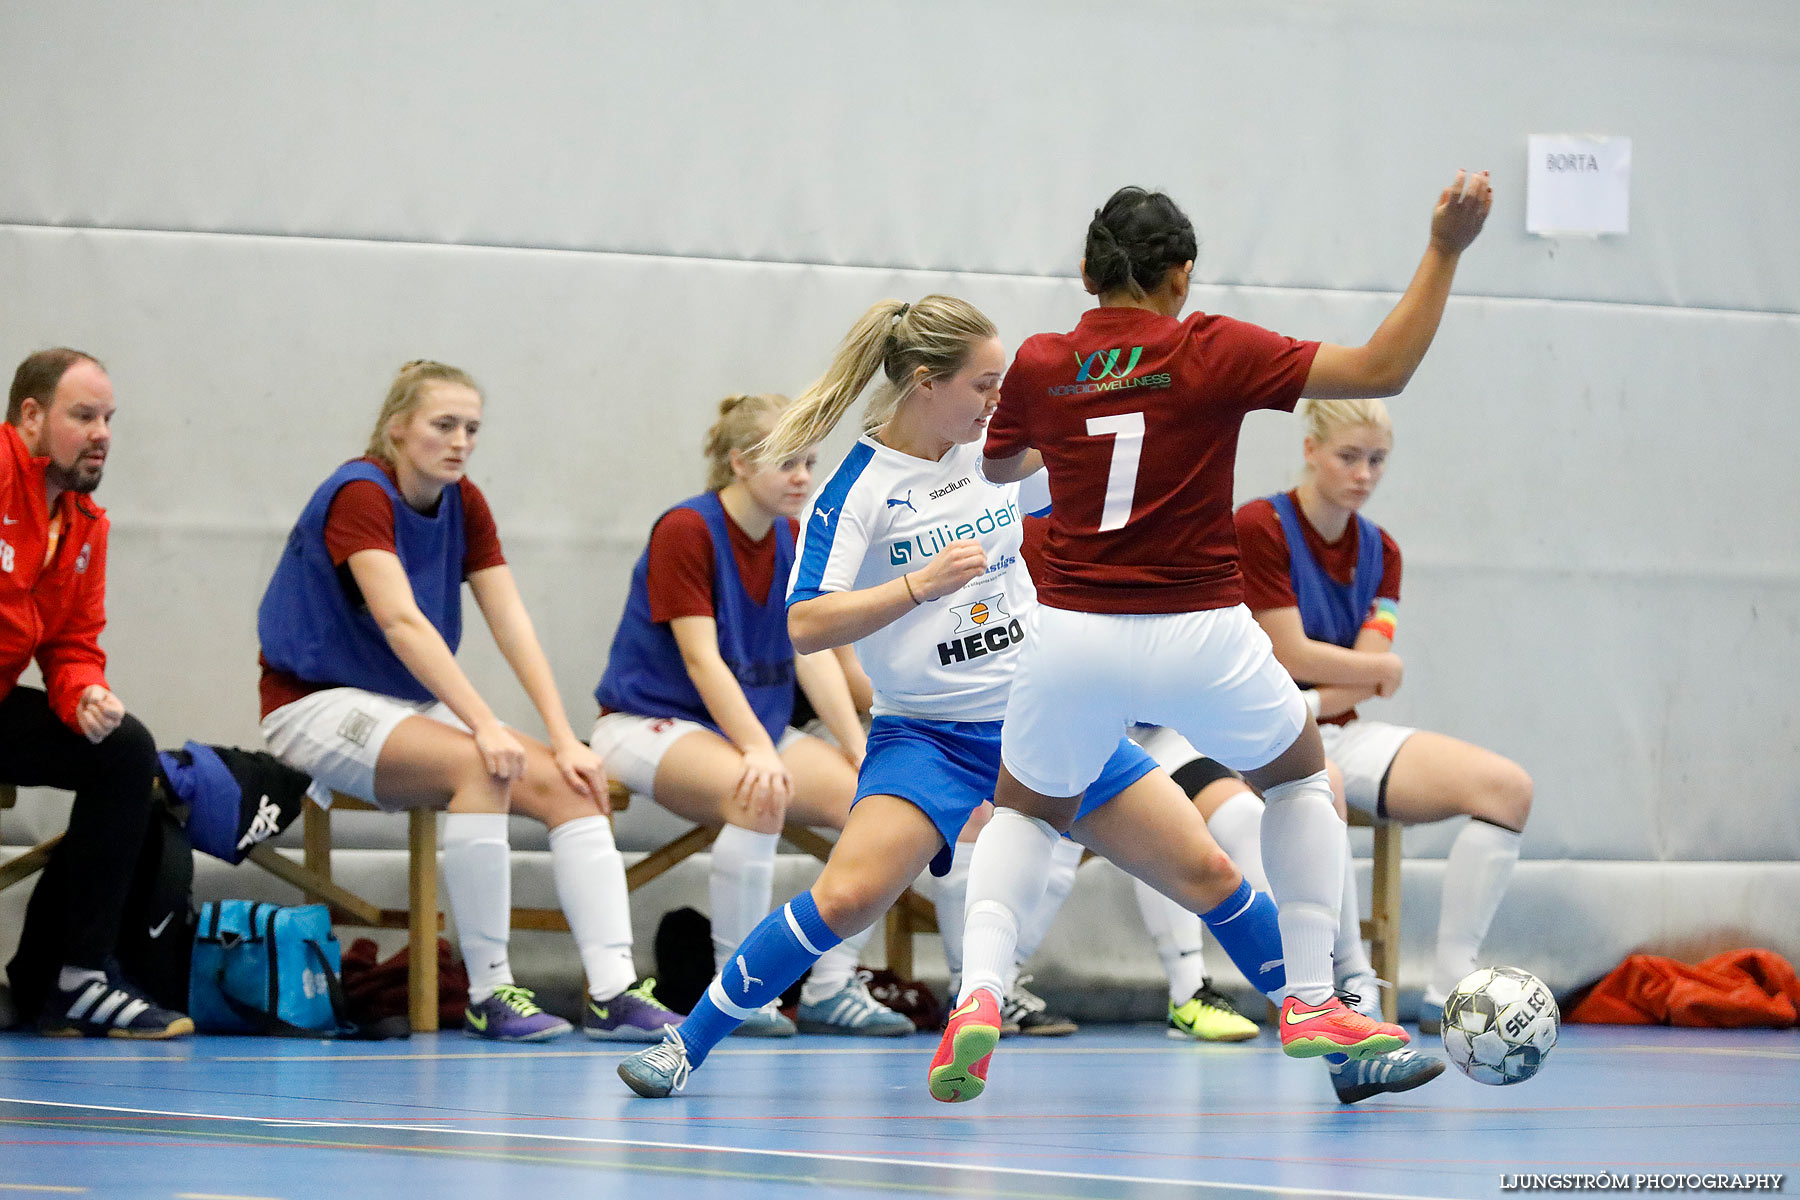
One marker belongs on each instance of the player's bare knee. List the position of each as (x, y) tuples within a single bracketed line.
[(847, 906)]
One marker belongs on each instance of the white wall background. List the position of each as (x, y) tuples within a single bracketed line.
[(614, 214)]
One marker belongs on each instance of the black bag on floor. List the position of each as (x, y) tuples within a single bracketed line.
[(684, 958), (156, 935)]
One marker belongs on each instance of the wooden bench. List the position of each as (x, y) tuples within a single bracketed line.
[(421, 919), (1382, 926), (32, 861)]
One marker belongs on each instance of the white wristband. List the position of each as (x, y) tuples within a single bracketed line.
[(1311, 696)]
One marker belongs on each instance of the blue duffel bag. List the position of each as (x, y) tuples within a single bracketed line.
[(266, 968)]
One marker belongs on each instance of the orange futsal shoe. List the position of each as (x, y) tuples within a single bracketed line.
[(959, 1070), (1310, 1030)]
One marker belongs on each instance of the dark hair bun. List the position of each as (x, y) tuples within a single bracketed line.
[(1135, 238)]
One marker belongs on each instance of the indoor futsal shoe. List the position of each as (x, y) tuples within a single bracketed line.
[(766, 1022), (1025, 1013), (852, 1012), (1209, 1016), (634, 1015), (959, 1069), (101, 1006), (1310, 1030), (1396, 1071), (660, 1070), (512, 1014), (1431, 1016)]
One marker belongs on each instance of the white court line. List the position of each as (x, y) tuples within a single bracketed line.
[(803, 1155)]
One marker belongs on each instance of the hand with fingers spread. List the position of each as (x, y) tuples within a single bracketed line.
[(582, 770), (766, 786), (1461, 211), (949, 569), (500, 752)]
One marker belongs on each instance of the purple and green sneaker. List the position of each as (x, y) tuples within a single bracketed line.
[(511, 1014), (634, 1015)]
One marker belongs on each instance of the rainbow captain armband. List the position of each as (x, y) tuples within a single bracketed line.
[(1384, 616)]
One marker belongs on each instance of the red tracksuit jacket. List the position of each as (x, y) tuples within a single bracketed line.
[(52, 611)]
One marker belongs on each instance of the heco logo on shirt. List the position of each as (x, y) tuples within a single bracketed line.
[(1101, 372), (938, 536), (982, 627)]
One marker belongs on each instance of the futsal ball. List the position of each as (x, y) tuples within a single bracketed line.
[(1500, 1025)]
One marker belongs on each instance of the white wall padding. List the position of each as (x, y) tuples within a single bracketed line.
[(929, 133), (614, 215)]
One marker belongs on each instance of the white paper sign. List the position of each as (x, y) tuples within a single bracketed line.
[(1578, 184)]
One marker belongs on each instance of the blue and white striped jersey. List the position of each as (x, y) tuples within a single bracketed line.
[(883, 513)]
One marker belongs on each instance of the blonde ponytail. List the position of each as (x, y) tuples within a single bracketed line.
[(898, 339), (743, 422)]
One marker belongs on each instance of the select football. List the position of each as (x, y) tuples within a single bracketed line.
[(1500, 1025)]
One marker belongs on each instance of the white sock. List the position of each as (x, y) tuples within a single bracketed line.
[(590, 886), (1237, 826), (950, 896), (1476, 872), (831, 974), (478, 884), (1176, 933), (70, 978), (1007, 874), (1350, 955), (1064, 859), (741, 884), (1303, 850)]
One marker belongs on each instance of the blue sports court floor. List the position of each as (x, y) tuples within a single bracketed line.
[(1111, 1112)]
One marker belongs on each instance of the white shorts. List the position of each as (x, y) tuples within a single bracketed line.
[(1170, 750), (336, 736), (1363, 751), (1083, 678), (633, 746)]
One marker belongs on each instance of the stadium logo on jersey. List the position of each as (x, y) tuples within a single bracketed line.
[(1104, 364), (940, 493), (981, 614), (904, 503), (937, 537)]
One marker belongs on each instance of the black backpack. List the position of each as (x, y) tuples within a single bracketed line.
[(156, 936)]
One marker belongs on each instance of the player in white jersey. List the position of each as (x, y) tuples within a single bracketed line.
[(907, 552)]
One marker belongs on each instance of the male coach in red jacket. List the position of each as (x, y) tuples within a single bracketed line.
[(75, 734)]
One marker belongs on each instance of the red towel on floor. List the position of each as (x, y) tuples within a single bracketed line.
[(1740, 989)]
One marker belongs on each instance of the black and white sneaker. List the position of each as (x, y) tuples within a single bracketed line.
[(108, 1007), (1025, 1013)]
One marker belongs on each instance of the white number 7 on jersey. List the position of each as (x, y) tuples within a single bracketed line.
[(1121, 478)]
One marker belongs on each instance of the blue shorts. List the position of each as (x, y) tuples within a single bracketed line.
[(948, 768)]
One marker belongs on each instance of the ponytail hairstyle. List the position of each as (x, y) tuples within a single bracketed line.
[(1135, 238), (1325, 417), (936, 335), (743, 422), (405, 395)]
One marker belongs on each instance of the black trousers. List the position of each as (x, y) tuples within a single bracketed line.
[(74, 913)]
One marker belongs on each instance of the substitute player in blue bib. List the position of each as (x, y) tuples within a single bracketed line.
[(361, 690), (1323, 581), (698, 697), (907, 552)]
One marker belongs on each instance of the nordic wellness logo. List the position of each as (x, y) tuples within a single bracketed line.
[(1103, 371), (1104, 364)]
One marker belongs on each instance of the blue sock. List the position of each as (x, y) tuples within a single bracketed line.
[(777, 952), (1246, 927)]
